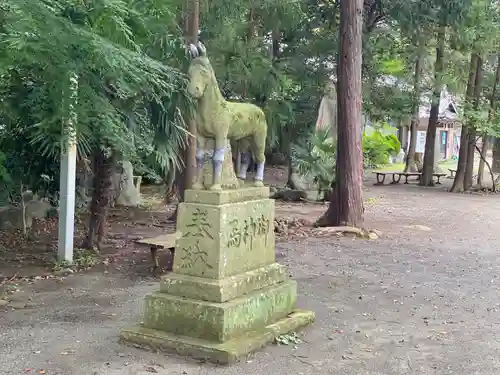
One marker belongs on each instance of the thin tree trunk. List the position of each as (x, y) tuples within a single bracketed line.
[(415, 119), (471, 138), (487, 141), (430, 138), (251, 22), (185, 176), (458, 182), (101, 198), (23, 211), (170, 186), (249, 39), (492, 176), (496, 156), (190, 161), (291, 170), (276, 37), (346, 202)]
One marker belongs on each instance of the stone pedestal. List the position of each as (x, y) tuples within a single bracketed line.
[(226, 296)]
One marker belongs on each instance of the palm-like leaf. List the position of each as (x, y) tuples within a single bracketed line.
[(316, 158), (122, 54)]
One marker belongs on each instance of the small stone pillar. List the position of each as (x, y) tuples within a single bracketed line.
[(227, 296)]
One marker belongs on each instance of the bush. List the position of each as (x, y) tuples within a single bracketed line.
[(377, 148), (316, 158)]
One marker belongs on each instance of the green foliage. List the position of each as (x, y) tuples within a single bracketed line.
[(316, 158), (279, 54), (83, 260), (287, 86), (288, 339), (5, 179), (377, 148), (129, 91)]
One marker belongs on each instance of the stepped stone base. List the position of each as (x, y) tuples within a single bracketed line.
[(226, 289), (223, 353), (219, 322), (227, 296)]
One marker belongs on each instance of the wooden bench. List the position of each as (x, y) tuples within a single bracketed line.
[(452, 172), (396, 176), (165, 241), (439, 175), (381, 177)]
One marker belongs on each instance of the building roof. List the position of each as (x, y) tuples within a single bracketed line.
[(448, 109)]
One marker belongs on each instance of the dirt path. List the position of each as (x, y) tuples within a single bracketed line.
[(423, 299)]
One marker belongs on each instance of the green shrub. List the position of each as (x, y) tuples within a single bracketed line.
[(377, 148), (315, 158)]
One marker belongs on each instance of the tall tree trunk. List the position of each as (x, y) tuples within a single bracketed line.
[(101, 198), (190, 160), (495, 167), (486, 140), (471, 138), (251, 22), (430, 138), (491, 115), (184, 177), (291, 179), (346, 201), (249, 39), (276, 37), (415, 118), (458, 182)]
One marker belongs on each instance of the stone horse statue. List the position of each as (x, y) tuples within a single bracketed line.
[(243, 123)]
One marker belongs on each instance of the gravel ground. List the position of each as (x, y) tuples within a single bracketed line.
[(422, 299)]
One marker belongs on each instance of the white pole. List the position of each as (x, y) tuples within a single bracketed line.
[(68, 178)]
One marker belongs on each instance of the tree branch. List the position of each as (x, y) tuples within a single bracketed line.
[(493, 188)]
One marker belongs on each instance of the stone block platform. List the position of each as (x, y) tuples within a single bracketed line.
[(227, 296)]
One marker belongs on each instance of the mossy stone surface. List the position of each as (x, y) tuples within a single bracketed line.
[(227, 296), (223, 240), (220, 321), (243, 194), (228, 175), (225, 289), (221, 353)]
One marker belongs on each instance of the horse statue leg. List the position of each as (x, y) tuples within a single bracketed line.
[(218, 160), (259, 148), (200, 162), (245, 158)]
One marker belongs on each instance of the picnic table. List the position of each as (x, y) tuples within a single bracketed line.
[(164, 241), (396, 176)]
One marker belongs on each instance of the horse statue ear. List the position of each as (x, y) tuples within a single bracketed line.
[(193, 51), (202, 49)]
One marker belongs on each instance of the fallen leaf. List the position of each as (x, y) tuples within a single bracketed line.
[(150, 369)]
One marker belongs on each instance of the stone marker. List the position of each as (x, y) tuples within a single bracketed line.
[(123, 183), (226, 296)]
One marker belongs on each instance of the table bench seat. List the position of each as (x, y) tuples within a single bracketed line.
[(396, 176), (165, 241)]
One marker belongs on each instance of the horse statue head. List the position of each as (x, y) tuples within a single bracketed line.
[(201, 73)]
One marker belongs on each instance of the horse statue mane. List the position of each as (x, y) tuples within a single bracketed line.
[(219, 120)]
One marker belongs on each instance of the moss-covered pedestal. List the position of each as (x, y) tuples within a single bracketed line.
[(226, 296)]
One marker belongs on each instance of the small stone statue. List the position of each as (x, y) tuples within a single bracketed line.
[(220, 120)]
